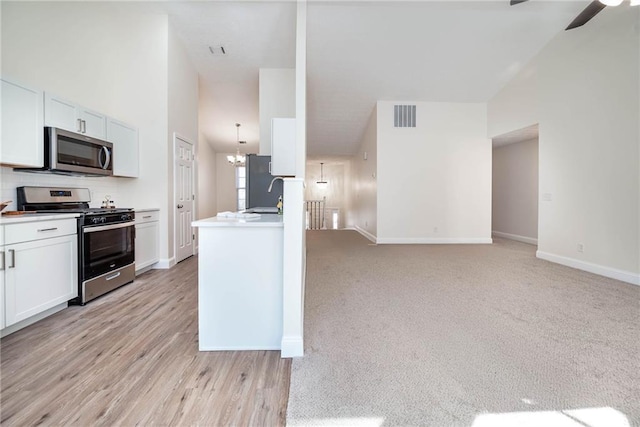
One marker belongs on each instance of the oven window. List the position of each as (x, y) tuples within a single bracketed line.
[(79, 153), (107, 250)]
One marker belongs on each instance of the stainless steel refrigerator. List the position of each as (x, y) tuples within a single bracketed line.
[(258, 180)]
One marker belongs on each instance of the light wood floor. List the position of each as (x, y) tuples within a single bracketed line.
[(131, 357)]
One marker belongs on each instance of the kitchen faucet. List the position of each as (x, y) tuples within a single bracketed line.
[(274, 180)]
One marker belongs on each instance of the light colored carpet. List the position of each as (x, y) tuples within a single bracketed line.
[(462, 335)]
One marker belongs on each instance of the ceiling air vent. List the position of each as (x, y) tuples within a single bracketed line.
[(404, 116)]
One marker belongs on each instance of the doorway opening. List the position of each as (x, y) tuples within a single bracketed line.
[(515, 185)]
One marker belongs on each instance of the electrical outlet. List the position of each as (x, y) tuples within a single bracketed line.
[(435, 229), (580, 247), (366, 223)]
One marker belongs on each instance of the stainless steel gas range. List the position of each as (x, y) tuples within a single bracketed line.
[(106, 237)]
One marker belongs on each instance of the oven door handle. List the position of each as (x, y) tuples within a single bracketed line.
[(92, 229)]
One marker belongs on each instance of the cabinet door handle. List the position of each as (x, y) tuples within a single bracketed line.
[(146, 216), (79, 125), (2, 260), (47, 229), (84, 126), (12, 258), (269, 167)]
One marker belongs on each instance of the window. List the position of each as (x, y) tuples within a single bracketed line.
[(241, 190)]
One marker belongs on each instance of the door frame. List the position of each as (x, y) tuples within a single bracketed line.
[(176, 137)]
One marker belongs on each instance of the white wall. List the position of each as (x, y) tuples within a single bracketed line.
[(110, 59), (434, 180), (182, 95), (515, 107), (225, 184), (364, 210), (207, 165), (277, 99), (515, 191), (586, 82), (207, 186)]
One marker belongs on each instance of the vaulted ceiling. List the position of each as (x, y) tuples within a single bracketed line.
[(358, 53)]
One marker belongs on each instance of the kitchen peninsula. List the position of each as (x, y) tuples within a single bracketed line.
[(240, 282)]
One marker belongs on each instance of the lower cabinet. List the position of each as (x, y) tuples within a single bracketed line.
[(2, 288), (39, 272), (147, 239)]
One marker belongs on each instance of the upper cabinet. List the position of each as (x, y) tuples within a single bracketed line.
[(70, 116), (24, 116), (283, 147), (22, 128), (125, 148)]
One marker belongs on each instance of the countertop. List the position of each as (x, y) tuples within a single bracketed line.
[(265, 220), (147, 210), (16, 219)]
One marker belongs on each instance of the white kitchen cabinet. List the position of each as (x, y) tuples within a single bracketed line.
[(70, 116), (283, 147), (147, 239), (22, 125), (2, 267), (2, 287), (39, 275), (125, 148), (40, 267)]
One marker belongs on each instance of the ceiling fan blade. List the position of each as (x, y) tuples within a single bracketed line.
[(589, 12), (514, 2)]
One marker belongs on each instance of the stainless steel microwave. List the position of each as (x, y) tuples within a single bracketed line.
[(71, 153)]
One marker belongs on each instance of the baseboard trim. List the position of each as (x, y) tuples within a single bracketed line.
[(165, 264), (238, 348), (612, 273), (291, 346), (434, 240), (516, 237), (366, 234)]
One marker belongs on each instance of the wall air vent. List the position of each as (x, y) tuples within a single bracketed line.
[(404, 116)]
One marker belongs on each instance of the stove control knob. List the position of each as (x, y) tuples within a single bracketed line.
[(126, 217), (95, 220)]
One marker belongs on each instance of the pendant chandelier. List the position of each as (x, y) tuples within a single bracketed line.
[(237, 159), (322, 184)]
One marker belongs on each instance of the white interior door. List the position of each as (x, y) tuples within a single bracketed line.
[(183, 197)]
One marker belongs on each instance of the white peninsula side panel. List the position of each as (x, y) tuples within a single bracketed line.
[(240, 283)]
